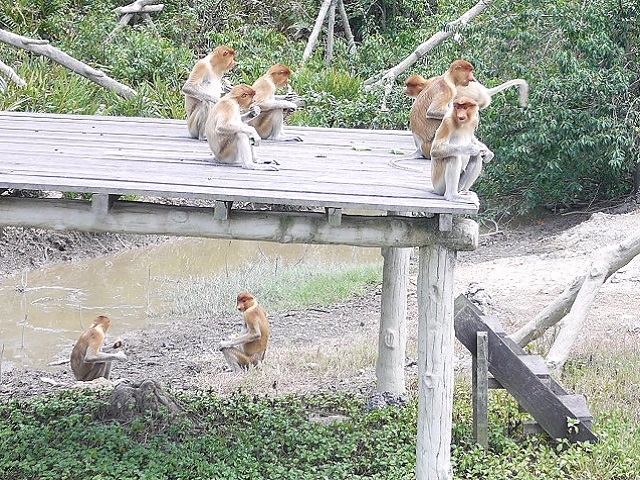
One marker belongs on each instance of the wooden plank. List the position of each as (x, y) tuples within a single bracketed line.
[(536, 397), (480, 385), (155, 157), (283, 227)]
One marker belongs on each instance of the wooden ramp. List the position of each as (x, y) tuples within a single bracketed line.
[(526, 377)]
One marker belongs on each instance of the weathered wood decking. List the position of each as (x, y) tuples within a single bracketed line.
[(332, 170), (155, 157)]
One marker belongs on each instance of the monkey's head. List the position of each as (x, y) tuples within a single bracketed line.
[(462, 72), (102, 322), (243, 94), (224, 57), (245, 301), (280, 74), (415, 84), (465, 108)]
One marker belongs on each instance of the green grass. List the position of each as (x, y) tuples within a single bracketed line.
[(278, 287)]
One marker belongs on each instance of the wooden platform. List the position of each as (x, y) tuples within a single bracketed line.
[(154, 157)]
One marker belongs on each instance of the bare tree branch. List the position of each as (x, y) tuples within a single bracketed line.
[(389, 76), (13, 76), (42, 47), (571, 308)]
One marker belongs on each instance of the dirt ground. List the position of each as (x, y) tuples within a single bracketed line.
[(515, 272)]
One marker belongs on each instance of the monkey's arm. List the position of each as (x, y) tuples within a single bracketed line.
[(437, 112), (274, 104), (251, 335), (293, 97), (234, 129), (486, 154), (253, 112), (95, 357)]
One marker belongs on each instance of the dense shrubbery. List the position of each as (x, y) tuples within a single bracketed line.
[(577, 142), (245, 436)]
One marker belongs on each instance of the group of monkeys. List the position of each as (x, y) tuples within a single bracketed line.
[(443, 119), (89, 361), (235, 123)]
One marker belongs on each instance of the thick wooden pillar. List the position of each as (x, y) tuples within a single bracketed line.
[(435, 362), (393, 321)]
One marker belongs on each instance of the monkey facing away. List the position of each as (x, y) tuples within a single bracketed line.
[(248, 349), (433, 102), (457, 155), (232, 141), (204, 87), (270, 122), (87, 361)]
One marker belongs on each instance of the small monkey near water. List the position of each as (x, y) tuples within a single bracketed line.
[(87, 361), (249, 348), (232, 141), (457, 155), (204, 87), (270, 122)]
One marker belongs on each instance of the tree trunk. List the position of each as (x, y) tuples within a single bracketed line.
[(571, 308), (389, 76)]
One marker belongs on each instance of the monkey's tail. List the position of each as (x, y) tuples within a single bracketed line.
[(395, 163)]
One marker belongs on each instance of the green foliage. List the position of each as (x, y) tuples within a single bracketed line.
[(243, 435), (576, 143)]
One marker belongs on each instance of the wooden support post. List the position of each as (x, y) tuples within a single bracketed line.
[(221, 210), (101, 203), (480, 387), (334, 216), (393, 321), (435, 362)]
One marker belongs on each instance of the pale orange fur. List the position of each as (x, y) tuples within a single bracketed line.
[(457, 155), (249, 348), (87, 361), (204, 87), (270, 122), (232, 141), (433, 102)]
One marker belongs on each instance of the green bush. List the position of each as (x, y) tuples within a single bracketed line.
[(577, 142)]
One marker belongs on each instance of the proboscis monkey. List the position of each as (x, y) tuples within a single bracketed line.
[(249, 348), (433, 102), (87, 361), (232, 141), (457, 155), (416, 83), (270, 122), (204, 87)]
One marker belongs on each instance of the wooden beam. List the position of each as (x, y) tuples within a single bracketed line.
[(101, 203), (480, 387), (393, 321), (222, 210), (435, 363), (283, 227), (334, 216)]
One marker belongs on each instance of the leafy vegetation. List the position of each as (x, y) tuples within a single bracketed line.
[(245, 436), (576, 144)]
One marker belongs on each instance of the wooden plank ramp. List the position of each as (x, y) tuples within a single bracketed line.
[(332, 167), (526, 377)]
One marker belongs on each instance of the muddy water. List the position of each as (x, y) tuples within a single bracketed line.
[(44, 311)]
